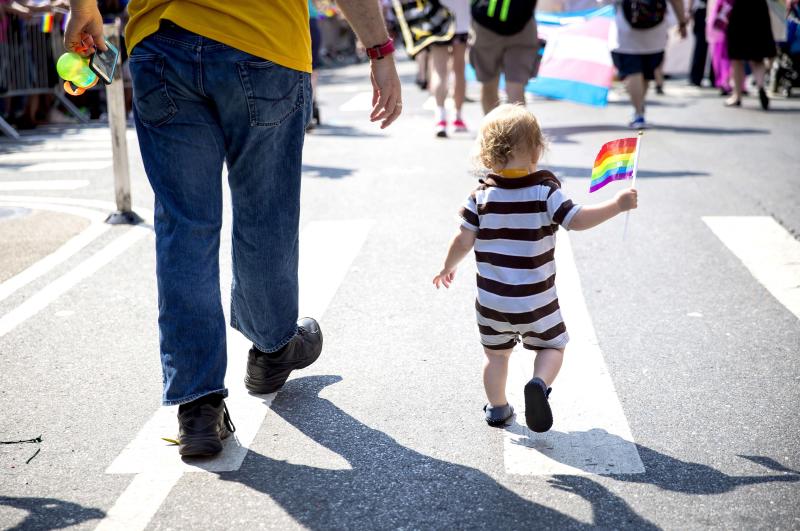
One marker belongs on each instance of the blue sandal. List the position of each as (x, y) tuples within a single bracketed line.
[(538, 415), (496, 417)]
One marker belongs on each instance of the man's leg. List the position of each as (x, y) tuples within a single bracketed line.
[(183, 149), (264, 109), (515, 92), (490, 98), (636, 87)]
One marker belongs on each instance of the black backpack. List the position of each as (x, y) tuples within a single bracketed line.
[(505, 17), (644, 14)]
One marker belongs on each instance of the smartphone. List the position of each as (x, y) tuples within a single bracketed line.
[(104, 64)]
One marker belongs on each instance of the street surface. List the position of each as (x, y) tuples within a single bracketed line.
[(678, 406)]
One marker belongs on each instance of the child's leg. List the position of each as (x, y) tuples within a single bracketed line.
[(547, 364), (495, 373)]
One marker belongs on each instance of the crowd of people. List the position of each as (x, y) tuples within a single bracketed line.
[(732, 38), (27, 26)]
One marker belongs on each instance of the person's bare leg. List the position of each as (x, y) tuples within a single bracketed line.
[(495, 374), (737, 73), (489, 95), (758, 72), (659, 75), (515, 92), (439, 89), (459, 64), (636, 87), (547, 364), (439, 56)]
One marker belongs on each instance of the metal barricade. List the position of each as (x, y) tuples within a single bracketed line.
[(28, 58)]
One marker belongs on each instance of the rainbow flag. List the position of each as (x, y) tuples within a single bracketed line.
[(615, 162), (47, 23)]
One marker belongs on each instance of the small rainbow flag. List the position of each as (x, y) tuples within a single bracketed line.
[(47, 23), (615, 162)]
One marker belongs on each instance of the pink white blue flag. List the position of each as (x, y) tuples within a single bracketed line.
[(576, 64)]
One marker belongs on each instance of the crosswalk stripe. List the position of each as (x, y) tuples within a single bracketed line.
[(60, 255), (72, 165), (60, 184), (55, 155), (768, 251), (327, 250), (360, 102), (61, 285), (590, 433)]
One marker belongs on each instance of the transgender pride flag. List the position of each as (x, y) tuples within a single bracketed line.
[(576, 65)]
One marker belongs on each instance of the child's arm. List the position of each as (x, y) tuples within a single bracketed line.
[(592, 215), (459, 247)]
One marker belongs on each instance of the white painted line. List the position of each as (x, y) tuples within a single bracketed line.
[(768, 250), (149, 454), (342, 88), (60, 255), (79, 165), (149, 489), (62, 184), (590, 433), (50, 155), (360, 102), (99, 204), (327, 249), (61, 285)]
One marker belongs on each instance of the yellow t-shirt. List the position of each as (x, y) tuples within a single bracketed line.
[(276, 30)]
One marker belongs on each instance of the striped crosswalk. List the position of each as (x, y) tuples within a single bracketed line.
[(84, 150)]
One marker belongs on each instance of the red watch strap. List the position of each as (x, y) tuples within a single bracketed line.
[(381, 51)]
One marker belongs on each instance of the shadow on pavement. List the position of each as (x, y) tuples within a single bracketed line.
[(328, 172), (671, 474), (563, 134), (586, 172), (50, 513), (391, 486)]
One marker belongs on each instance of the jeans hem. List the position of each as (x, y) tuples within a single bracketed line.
[(282, 343), (222, 391)]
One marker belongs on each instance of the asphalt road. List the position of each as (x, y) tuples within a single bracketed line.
[(386, 430)]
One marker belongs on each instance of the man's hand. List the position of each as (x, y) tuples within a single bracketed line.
[(84, 28), (627, 199), (387, 101)]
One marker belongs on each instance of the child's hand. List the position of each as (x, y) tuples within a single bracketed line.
[(627, 199), (445, 277)]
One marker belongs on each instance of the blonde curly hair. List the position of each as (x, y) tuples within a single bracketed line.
[(508, 130)]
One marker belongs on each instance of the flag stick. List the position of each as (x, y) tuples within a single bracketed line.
[(633, 180)]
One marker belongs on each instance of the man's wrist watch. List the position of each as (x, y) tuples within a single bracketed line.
[(381, 51)]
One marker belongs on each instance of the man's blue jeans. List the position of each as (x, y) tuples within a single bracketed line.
[(199, 103)]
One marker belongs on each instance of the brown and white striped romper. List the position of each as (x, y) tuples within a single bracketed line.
[(516, 221)]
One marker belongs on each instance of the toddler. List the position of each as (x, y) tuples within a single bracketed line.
[(511, 220)]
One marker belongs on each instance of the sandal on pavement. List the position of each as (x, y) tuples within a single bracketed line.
[(497, 417), (538, 415)]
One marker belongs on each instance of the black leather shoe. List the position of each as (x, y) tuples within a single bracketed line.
[(267, 372), (202, 425)]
